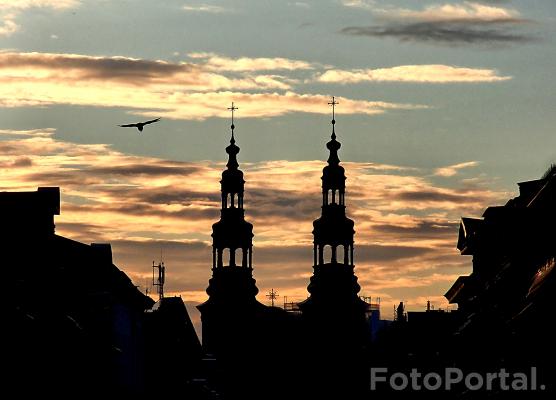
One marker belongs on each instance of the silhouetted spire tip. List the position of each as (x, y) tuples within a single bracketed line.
[(232, 126), (333, 103)]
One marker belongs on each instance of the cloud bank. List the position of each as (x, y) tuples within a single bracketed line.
[(466, 23), (406, 224), (202, 86)]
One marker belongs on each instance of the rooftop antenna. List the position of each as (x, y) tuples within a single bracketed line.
[(401, 315), (147, 286), (272, 295), (160, 278)]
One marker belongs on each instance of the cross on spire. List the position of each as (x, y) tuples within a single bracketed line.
[(232, 109), (333, 103)]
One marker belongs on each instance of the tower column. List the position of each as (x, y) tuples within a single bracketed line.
[(315, 252), (220, 253), (232, 257), (244, 251)]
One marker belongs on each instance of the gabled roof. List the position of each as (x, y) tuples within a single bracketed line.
[(454, 294), (468, 230)]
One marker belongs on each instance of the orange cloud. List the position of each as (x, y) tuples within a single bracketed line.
[(413, 73), (174, 90), (452, 170), (196, 90), (216, 62), (468, 10)]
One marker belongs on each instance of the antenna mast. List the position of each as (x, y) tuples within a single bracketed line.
[(158, 278), (272, 295)]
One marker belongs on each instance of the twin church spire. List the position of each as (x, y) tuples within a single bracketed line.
[(232, 317), (333, 229), (232, 235)]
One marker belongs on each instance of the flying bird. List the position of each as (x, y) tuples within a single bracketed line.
[(140, 125)]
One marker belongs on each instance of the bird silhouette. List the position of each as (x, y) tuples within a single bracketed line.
[(140, 125)]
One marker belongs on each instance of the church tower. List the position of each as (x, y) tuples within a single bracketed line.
[(334, 307), (232, 288)]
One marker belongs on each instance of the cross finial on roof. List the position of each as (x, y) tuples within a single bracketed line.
[(333, 103), (232, 109)]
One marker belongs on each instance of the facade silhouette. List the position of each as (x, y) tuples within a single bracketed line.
[(76, 324), (507, 302), (505, 306)]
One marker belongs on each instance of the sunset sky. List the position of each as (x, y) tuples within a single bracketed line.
[(444, 106)]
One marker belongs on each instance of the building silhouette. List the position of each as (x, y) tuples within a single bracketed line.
[(507, 301), (503, 320), (172, 351), (75, 319), (76, 326)]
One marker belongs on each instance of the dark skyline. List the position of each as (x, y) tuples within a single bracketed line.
[(436, 122)]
